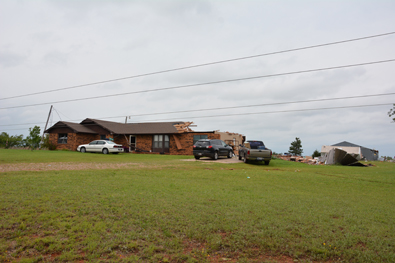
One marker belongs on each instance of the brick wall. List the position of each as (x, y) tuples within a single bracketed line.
[(143, 142), (73, 140), (186, 140), (120, 139)]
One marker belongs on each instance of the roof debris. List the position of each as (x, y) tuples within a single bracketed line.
[(307, 159), (183, 127)]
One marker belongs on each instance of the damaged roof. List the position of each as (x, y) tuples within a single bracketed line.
[(349, 144), (124, 128)]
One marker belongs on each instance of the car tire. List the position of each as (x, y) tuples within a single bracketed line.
[(105, 151), (83, 150), (230, 154), (267, 162), (197, 157), (215, 157), (245, 159)]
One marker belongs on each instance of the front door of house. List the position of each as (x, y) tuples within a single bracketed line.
[(161, 143), (132, 145)]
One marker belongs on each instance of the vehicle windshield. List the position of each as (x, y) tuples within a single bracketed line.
[(256, 144), (202, 143), (110, 142)]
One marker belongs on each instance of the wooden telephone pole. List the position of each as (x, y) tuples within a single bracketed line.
[(49, 115)]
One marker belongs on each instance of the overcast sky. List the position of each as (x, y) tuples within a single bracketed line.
[(48, 45)]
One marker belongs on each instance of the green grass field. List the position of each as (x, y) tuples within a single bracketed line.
[(169, 210)]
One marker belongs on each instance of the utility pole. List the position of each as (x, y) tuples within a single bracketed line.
[(126, 138), (49, 115)]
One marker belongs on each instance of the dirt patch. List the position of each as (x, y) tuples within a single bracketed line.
[(64, 166), (57, 166)]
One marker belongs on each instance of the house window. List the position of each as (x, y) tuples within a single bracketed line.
[(198, 137), (62, 138), (102, 137), (158, 141), (161, 143)]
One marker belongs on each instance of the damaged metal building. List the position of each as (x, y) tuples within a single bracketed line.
[(357, 151)]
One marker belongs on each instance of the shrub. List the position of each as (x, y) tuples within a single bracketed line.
[(52, 147)]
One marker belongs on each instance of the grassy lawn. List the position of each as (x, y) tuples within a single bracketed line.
[(181, 211), (27, 156)]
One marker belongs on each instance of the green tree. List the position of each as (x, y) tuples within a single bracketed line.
[(392, 113), (316, 154), (8, 141), (4, 137), (296, 147), (33, 140)]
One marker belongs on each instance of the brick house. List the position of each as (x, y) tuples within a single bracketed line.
[(162, 137)]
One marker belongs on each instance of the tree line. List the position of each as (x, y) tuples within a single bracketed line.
[(32, 141)]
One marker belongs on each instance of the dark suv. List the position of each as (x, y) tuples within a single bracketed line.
[(211, 148)]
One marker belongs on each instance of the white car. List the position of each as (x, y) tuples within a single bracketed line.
[(103, 146)]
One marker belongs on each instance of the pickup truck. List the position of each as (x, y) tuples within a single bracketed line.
[(255, 151)]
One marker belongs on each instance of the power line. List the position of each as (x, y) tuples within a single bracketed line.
[(57, 113), (264, 112), (227, 108), (202, 84), (283, 111), (198, 65), (266, 104)]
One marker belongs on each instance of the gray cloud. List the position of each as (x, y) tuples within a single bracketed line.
[(55, 58), (11, 59)]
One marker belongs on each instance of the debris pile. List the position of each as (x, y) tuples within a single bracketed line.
[(334, 156), (306, 159)]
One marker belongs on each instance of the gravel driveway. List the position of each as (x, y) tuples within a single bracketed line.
[(64, 166), (220, 160)]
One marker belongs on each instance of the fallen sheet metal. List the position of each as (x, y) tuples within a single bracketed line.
[(339, 156)]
